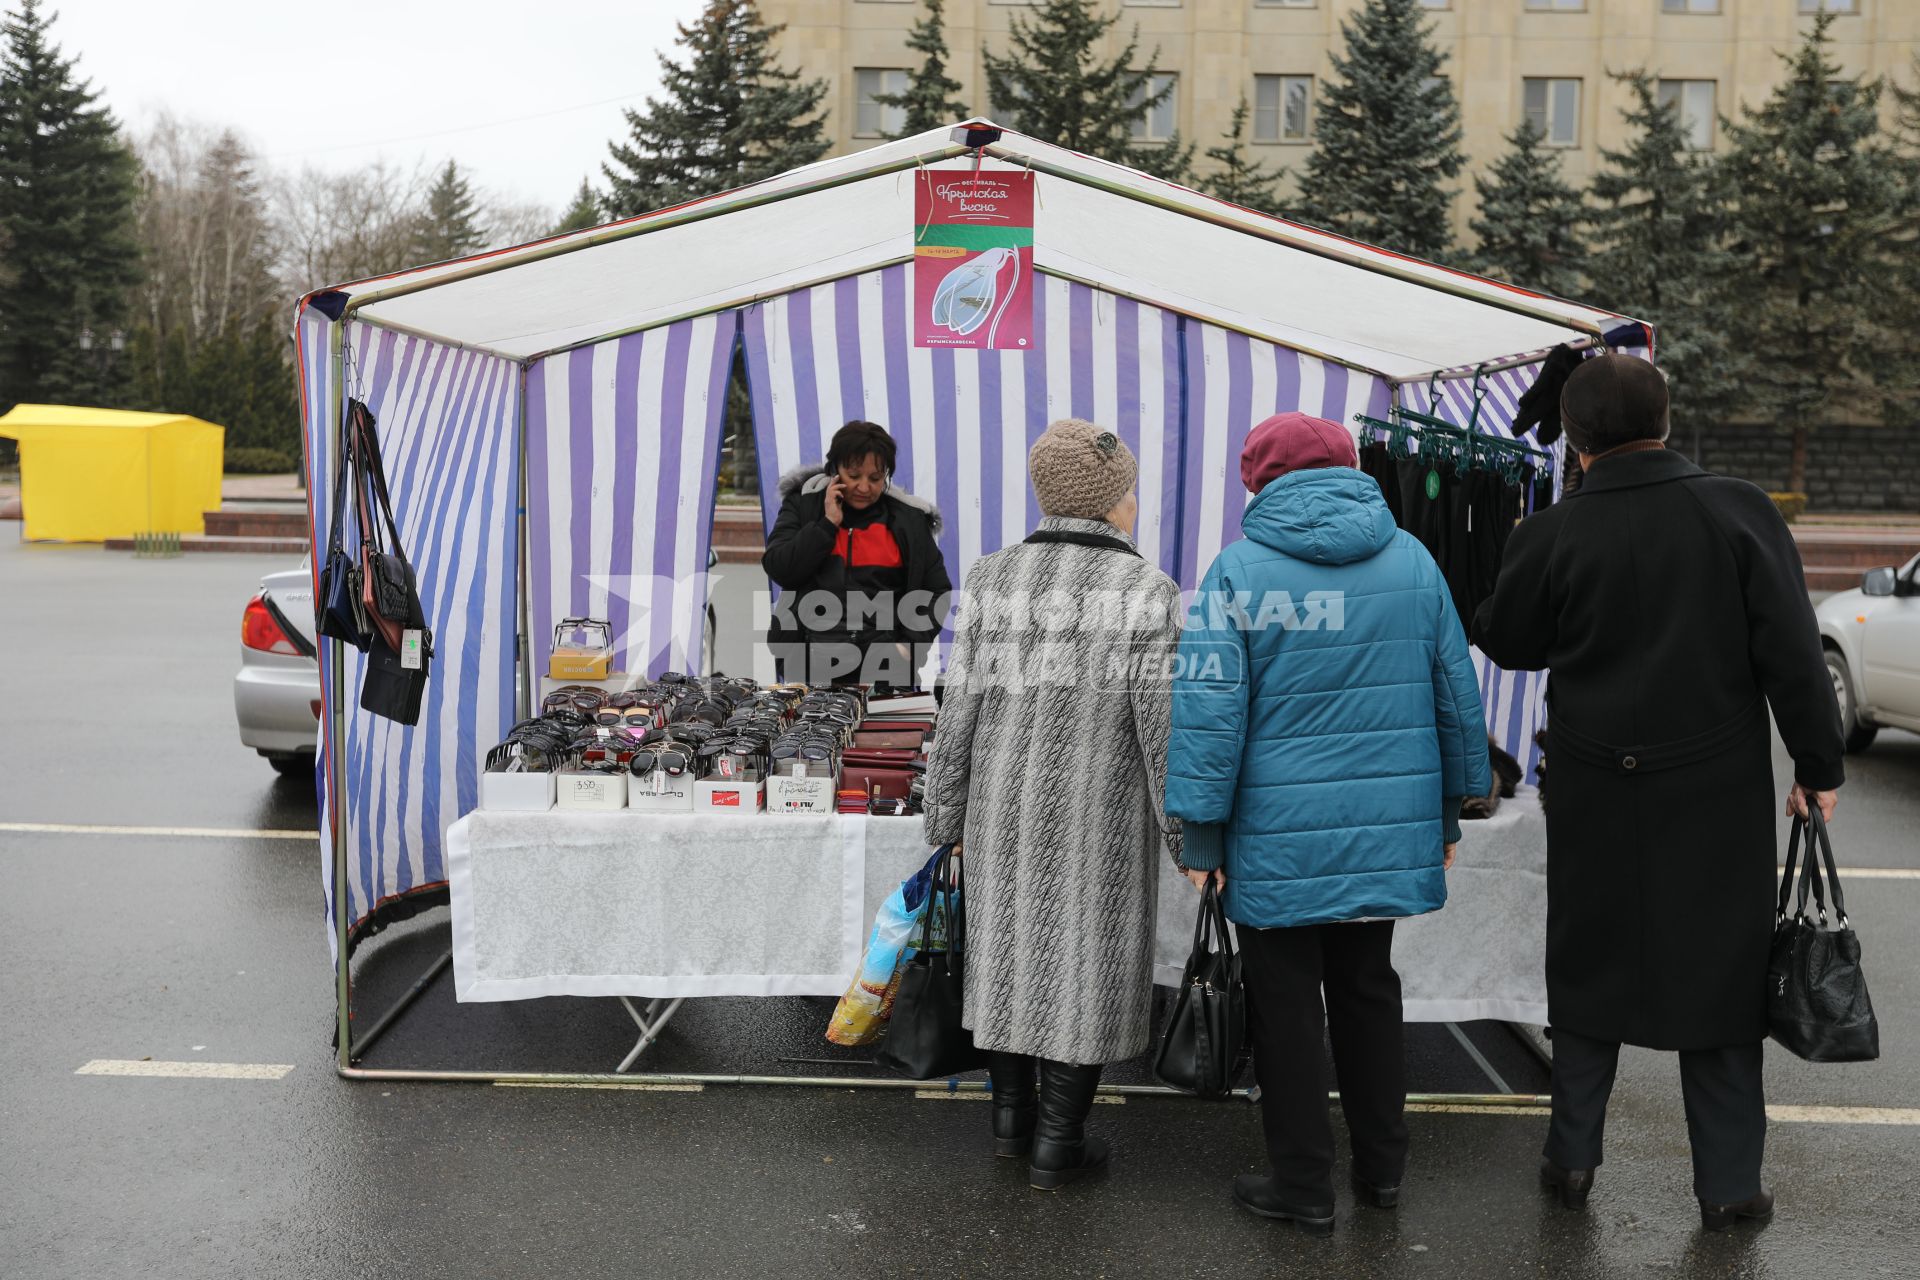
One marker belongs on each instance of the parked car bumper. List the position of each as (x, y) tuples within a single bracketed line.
[(274, 698)]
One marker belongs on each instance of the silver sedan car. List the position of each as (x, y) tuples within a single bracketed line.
[(276, 694), (1872, 638)]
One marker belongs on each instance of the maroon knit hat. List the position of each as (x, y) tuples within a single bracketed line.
[(1293, 442)]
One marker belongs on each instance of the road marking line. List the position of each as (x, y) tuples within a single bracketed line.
[(1844, 1115), (1469, 1109), (1877, 873), (982, 1095), (207, 833), (646, 1087), (186, 1070)]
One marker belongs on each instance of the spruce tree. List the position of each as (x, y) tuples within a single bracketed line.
[(1899, 367), (584, 212), (1239, 178), (1052, 84), (1655, 229), (1816, 199), (932, 97), (449, 226), (1386, 136), (730, 116), (67, 189), (1529, 223)]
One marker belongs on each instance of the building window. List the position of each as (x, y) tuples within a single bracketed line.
[(1554, 107), (1436, 4), (1287, 4), (1556, 6), (1690, 6), (1283, 108), (870, 119), (1692, 101), (1829, 6), (1151, 4), (1157, 124)]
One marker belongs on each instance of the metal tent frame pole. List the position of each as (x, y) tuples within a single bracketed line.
[(337, 739)]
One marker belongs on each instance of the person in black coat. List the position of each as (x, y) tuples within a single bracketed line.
[(1671, 608), (865, 588)]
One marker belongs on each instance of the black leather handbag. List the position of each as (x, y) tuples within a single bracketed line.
[(1204, 1044), (925, 1039), (400, 650), (339, 613), (1817, 1003)]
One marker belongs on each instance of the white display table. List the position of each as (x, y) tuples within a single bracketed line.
[(670, 907)]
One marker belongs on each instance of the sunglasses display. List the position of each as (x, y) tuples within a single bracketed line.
[(668, 733)]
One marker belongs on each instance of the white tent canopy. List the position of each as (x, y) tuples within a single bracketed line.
[(551, 419), (1162, 244)]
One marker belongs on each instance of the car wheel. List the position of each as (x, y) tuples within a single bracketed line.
[(1859, 736), (293, 764)]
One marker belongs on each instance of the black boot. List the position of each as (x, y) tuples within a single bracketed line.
[(1062, 1151), (1721, 1217), (1573, 1186), (1256, 1193), (1015, 1103)]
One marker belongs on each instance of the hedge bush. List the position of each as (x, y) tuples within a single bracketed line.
[(260, 462)]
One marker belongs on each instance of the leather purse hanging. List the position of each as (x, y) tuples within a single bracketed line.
[(1817, 1004), (339, 614), (387, 583), (925, 1037), (400, 656), (1202, 1048)]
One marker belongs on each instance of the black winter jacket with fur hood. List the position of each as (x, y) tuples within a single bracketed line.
[(802, 541)]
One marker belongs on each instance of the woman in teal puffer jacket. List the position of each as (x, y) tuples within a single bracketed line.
[(1326, 723)]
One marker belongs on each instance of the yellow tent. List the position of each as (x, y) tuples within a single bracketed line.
[(87, 475)]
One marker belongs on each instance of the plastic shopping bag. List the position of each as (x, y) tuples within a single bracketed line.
[(861, 1016)]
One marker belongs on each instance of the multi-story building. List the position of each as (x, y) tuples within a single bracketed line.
[(1508, 59)]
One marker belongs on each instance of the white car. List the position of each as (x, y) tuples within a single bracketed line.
[(1872, 638), (276, 694)]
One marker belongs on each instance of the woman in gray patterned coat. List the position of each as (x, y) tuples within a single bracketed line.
[(1048, 770)]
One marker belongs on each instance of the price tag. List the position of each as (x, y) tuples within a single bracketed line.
[(410, 650)]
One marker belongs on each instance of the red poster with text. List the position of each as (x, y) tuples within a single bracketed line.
[(973, 259)]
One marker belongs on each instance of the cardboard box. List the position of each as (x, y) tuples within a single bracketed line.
[(518, 792), (786, 794), (594, 792), (575, 666), (676, 798), (729, 797)]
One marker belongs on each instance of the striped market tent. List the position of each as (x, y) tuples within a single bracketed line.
[(551, 418)]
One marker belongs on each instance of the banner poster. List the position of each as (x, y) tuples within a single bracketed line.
[(973, 259)]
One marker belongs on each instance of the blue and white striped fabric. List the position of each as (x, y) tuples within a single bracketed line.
[(623, 442), (1233, 383), (446, 419), (1515, 701), (963, 420)]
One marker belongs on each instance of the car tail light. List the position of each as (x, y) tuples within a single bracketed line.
[(259, 630)]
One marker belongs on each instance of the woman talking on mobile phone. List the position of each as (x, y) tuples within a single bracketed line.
[(864, 589)]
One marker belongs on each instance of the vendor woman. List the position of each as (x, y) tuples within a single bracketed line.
[(864, 590)]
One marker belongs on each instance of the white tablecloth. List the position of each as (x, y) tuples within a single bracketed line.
[(603, 904)]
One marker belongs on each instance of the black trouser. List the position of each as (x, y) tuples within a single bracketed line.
[(1285, 972), (1726, 1111)]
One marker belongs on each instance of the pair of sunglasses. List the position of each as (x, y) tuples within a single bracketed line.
[(670, 760), (574, 697), (637, 718)]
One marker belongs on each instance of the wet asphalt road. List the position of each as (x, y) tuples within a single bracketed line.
[(115, 710)]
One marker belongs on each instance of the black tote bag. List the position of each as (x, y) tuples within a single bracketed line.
[(1817, 1003), (925, 1039), (1206, 1034)]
